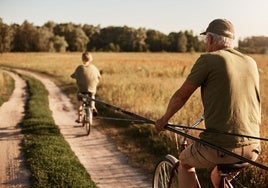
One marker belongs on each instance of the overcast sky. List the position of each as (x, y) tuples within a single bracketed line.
[(250, 17)]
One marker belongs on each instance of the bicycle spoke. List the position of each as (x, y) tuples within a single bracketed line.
[(162, 174)]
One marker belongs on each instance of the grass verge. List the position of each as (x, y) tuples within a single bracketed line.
[(48, 155), (7, 86)]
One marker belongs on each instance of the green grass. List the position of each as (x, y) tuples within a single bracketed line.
[(48, 155), (7, 86)]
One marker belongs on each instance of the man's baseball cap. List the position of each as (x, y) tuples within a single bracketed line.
[(221, 27)]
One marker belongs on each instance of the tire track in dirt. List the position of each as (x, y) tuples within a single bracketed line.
[(106, 165), (13, 172)]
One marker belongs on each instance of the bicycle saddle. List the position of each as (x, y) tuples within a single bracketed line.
[(232, 166)]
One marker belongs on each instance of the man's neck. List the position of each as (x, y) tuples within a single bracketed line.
[(86, 63)]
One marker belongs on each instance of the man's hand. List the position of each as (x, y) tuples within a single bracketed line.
[(160, 125)]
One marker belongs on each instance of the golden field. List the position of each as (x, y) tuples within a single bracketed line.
[(138, 82)]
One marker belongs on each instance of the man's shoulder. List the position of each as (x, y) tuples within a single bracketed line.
[(92, 66), (80, 67), (216, 55), (210, 56), (213, 54)]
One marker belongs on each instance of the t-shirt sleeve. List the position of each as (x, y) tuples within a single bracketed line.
[(199, 71), (74, 75)]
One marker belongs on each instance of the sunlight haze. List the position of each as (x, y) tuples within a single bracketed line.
[(250, 18)]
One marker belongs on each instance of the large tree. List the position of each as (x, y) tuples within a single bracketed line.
[(59, 44), (118, 38), (77, 40), (182, 42), (177, 42), (25, 38), (74, 35), (6, 37), (156, 41), (254, 44), (43, 40)]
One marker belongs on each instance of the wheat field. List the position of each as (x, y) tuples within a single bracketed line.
[(138, 82)]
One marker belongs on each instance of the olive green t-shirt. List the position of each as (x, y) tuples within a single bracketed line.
[(87, 78), (229, 83)]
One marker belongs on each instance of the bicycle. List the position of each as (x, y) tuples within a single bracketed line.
[(166, 171), (87, 111)]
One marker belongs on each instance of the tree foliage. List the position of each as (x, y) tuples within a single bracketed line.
[(156, 41), (182, 42), (254, 44), (24, 38), (53, 37), (6, 37)]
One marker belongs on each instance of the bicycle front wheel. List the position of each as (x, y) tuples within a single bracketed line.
[(84, 119), (162, 174), (89, 120)]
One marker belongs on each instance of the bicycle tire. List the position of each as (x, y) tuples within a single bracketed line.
[(162, 173), (83, 119), (89, 120)]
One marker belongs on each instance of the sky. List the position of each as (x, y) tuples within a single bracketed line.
[(249, 17)]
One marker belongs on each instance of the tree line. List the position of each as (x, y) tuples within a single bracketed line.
[(62, 37), (254, 44)]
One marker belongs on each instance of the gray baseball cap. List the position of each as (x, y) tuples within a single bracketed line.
[(221, 27)]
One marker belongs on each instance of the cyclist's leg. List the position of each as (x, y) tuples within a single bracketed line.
[(93, 102), (194, 156), (79, 109), (95, 111), (187, 176), (215, 177)]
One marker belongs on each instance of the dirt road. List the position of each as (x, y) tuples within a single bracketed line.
[(107, 166), (13, 172)]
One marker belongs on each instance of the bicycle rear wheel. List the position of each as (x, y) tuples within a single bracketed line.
[(163, 172)]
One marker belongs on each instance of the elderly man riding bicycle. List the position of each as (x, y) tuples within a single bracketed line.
[(229, 82)]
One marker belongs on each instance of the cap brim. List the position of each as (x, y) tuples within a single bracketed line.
[(204, 33)]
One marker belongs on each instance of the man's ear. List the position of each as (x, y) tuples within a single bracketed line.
[(210, 39)]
